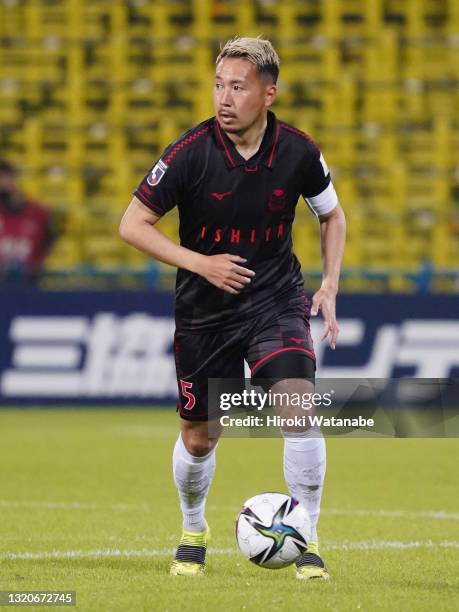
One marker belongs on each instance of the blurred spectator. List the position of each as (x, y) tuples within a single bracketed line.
[(26, 233)]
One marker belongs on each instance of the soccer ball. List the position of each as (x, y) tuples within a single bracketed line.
[(272, 530)]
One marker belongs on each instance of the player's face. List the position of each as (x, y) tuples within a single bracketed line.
[(241, 95)]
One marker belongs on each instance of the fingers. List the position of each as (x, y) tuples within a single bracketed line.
[(316, 304), (243, 271), (239, 269), (334, 336), (326, 330), (331, 329), (228, 275), (235, 284), (235, 258), (229, 289)]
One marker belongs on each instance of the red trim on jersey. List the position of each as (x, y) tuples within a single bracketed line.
[(276, 140), (277, 352), (298, 132), (183, 143), (222, 140), (138, 194)]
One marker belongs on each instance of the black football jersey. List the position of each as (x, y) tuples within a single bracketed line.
[(228, 204)]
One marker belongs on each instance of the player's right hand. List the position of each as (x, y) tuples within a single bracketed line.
[(224, 272)]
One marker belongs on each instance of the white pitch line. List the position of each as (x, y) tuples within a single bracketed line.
[(163, 552), (57, 505), (387, 544), (429, 514), (101, 553), (129, 507)]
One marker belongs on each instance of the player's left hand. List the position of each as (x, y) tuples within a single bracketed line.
[(325, 301)]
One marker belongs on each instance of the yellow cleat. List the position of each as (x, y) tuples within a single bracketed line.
[(310, 565), (186, 568), (190, 556)]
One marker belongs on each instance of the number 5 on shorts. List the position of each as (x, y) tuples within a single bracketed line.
[(189, 396)]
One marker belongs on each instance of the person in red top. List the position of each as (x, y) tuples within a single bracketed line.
[(26, 233)]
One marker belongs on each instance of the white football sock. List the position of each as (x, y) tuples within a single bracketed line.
[(192, 477), (304, 471)]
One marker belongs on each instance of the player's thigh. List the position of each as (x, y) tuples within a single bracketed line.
[(282, 360), (198, 358), (280, 346)]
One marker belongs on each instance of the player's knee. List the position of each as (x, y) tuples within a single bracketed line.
[(198, 446), (195, 436)]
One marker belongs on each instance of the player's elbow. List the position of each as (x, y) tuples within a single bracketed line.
[(336, 215), (341, 218), (126, 230), (136, 220)]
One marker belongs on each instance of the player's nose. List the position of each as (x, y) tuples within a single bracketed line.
[(226, 98)]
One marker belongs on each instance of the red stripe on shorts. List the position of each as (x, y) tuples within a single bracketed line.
[(282, 350)]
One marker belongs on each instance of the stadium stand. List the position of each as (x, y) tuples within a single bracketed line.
[(92, 90)]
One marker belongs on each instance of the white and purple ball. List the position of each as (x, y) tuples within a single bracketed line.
[(272, 530)]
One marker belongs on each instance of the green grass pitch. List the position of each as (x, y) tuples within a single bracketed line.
[(87, 503)]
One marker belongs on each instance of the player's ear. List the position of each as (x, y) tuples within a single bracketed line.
[(270, 95)]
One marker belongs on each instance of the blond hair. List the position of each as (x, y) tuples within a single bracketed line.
[(256, 50)]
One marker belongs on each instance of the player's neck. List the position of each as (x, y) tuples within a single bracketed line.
[(248, 142)]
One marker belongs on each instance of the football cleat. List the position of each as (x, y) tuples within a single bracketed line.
[(190, 556), (310, 565)]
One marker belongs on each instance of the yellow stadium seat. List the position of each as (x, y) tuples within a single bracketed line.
[(98, 90)]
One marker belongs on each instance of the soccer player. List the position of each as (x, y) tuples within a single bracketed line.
[(236, 179)]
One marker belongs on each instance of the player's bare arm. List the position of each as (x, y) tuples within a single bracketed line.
[(332, 236), (138, 229)]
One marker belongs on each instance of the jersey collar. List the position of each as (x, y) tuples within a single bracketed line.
[(265, 155)]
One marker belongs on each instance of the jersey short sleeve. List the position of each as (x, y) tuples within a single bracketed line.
[(162, 187), (318, 190)]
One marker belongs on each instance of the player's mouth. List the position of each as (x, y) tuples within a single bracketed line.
[(225, 116)]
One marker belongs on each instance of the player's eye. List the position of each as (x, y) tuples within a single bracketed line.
[(237, 87)]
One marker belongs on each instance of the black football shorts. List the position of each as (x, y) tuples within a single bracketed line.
[(276, 345)]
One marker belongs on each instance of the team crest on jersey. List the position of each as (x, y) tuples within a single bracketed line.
[(157, 173), (277, 200)]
